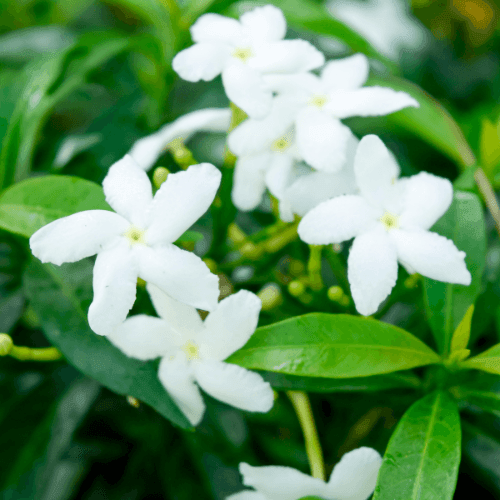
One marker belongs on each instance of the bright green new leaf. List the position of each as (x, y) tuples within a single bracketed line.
[(66, 327), (487, 361), (375, 383), (430, 121), (461, 335), (446, 304), (28, 205), (489, 145), (422, 457), (333, 346)]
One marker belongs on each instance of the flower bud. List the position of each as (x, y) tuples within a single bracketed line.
[(6, 344)]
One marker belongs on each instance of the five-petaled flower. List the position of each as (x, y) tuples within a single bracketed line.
[(193, 351), (389, 221), (320, 103), (136, 241), (353, 478), (243, 51)]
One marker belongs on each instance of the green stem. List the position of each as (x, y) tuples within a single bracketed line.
[(302, 407), (314, 267), (338, 269)]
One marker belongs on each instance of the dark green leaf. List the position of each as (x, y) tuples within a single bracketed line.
[(422, 457), (333, 345), (487, 361), (66, 327), (430, 121), (376, 383), (483, 392), (446, 304), (29, 205), (191, 237)]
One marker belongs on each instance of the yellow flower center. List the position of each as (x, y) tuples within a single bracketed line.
[(135, 236), (390, 221), (243, 53), (318, 100), (191, 350), (281, 144)]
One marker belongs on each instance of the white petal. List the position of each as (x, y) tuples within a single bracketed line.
[(375, 169), (181, 317), (181, 200), (368, 101), (246, 495), (234, 385), (245, 87), (177, 377), (264, 24), (299, 86), (180, 274), (337, 220), (278, 176), (286, 57), (147, 150), (253, 136), (77, 236), (348, 73), (322, 140), (144, 337), (230, 325), (128, 190), (216, 28), (372, 270), (431, 255), (202, 61), (426, 199), (355, 476), (248, 181), (114, 282), (282, 483)]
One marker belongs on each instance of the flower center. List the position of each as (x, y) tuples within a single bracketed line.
[(243, 53), (281, 144), (191, 350), (318, 100), (390, 221), (135, 236)]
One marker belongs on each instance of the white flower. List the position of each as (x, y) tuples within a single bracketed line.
[(243, 51), (320, 103), (137, 240), (389, 220), (147, 150), (268, 157), (193, 351), (353, 478)]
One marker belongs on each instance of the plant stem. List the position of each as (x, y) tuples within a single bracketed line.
[(488, 194), (338, 269), (314, 267), (302, 407)]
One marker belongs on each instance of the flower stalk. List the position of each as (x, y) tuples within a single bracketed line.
[(22, 353)]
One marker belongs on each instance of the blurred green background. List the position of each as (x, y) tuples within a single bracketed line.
[(80, 81)]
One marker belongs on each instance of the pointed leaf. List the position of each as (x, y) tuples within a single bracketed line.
[(487, 361), (333, 345), (422, 457), (60, 297), (461, 336)]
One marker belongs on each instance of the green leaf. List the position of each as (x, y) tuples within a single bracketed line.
[(376, 383), (60, 297), (333, 345), (483, 392), (45, 83), (446, 304), (191, 237), (488, 361), (28, 205), (431, 122), (422, 457), (461, 335)]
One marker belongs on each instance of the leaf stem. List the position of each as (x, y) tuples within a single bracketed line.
[(302, 407), (21, 353), (314, 267), (488, 194)]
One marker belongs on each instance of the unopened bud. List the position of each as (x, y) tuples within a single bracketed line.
[(160, 176), (270, 296), (296, 288), (335, 294), (6, 344)]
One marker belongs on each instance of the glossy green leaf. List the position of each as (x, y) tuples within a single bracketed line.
[(334, 346), (66, 327), (487, 361), (422, 457), (28, 205), (46, 82), (446, 304), (431, 121), (375, 383)]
